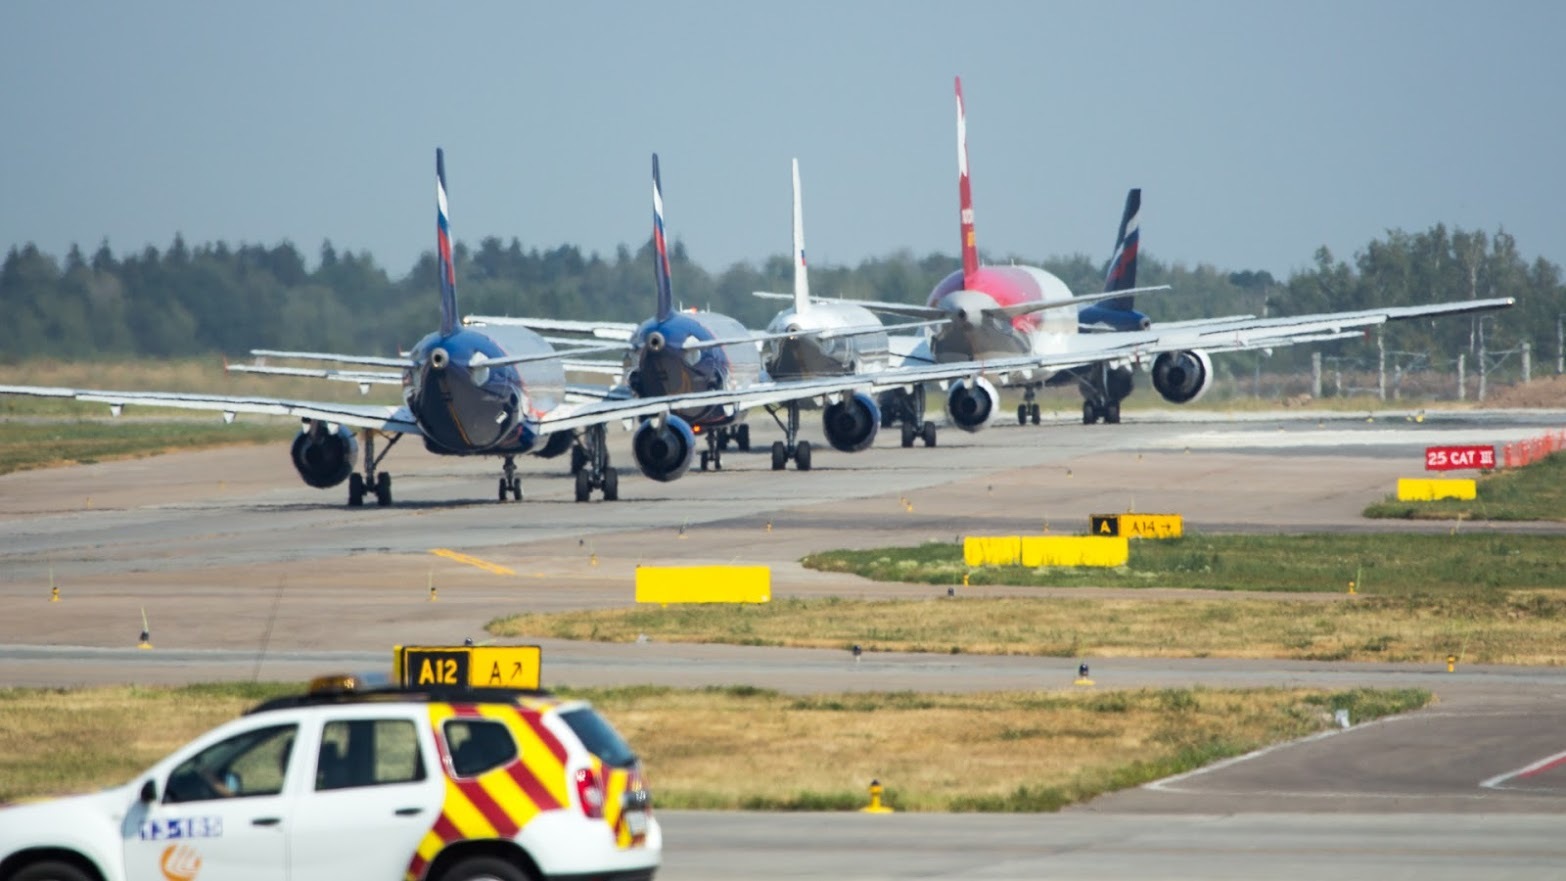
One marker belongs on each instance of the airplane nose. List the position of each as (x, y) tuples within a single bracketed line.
[(439, 358)]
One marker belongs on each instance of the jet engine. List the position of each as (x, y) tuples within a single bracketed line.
[(1182, 377), (664, 452), (971, 406), (557, 444), (851, 424), (324, 457)]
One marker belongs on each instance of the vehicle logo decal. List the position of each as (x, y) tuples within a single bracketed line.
[(182, 827), (180, 862)]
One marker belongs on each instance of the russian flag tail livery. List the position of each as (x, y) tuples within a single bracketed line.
[(448, 270), (970, 250), (801, 274), (661, 249), (1122, 266)]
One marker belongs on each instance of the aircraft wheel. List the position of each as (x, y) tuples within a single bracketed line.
[(802, 456), (704, 457), (742, 437), (516, 489), (1112, 414), (383, 489), (355, 490), (503, 489), (1035, 413), (779, 456), (611, 485), (1089, 413), (908, 435), (578, 459), (928, 434), (584, 486), (1022, 414)]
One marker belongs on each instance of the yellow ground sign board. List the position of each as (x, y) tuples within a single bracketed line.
[(1137, 525), (1036, 551), (468, 666), (1429, 489), (703, 584)]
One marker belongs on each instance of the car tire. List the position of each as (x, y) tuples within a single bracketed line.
[(51, 870), (484, 869)]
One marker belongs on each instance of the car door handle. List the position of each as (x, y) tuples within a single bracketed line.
[(266, 821), (408, 812)]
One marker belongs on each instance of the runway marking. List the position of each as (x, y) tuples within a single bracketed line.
[(1538, 767), (494, 568)]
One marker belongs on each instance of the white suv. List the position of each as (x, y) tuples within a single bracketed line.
[(346, 783)]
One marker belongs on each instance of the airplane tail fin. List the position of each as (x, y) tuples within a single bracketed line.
[(661, 248), (448, 270), (970, 250), (801, 274), (1122, 266)]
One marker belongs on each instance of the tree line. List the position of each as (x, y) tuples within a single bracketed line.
[(185, 301)]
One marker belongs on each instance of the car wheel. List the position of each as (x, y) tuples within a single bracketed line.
[(484, 869), (50, 870)]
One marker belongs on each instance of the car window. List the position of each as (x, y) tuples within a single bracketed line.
[(478, 745), (368, 752), (599, 737), (249, 764)]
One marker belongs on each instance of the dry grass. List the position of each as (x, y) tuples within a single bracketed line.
[(55, 741), (1524, 629), (747, 748)]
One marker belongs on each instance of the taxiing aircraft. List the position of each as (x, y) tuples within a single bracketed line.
[(1019, 326), (492, 392)]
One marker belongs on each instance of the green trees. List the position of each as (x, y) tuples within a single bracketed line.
[(213, 297)]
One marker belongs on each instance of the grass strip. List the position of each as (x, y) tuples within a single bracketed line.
[(746, 748), (1523, 628), (1533, 492), (28, 445), (1452, 564)]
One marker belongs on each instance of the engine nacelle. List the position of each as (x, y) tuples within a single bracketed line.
[(971, 407), (1182, 377), (851, 424), (324, 458), (664, 453)]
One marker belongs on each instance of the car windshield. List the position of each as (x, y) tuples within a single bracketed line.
[(599, 737)]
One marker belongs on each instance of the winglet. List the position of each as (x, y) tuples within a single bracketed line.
[(801, 274), (970, 250), (448, 270), (1122, 266), (661, 249)]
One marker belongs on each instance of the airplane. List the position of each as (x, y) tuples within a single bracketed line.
[(493, 392), (679, 353), (1021, 326), (826, 338)]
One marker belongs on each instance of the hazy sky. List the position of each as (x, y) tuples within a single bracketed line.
[(1258, 130)]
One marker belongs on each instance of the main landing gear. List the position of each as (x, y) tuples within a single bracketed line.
[(370, 480), (1094, 410), (590, 464), (1028, 410), (907, 408), (1103, 389), (718, 440), (790, 447)]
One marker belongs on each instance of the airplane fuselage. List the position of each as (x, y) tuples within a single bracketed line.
[(805, 357), (467, 408), (975, 334), (660, 362)]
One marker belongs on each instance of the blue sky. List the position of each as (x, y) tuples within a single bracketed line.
[(1258, 130)]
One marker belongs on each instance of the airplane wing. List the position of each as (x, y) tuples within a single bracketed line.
[(929, 312), (378, 417), (606, 330), (363, 378), (573, 416), (1228, 334)]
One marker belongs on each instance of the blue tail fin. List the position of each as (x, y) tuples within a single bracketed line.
[(1122, 266), (448, 270), (661, 249)]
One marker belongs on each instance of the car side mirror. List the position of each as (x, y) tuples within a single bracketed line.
[(149, 792)]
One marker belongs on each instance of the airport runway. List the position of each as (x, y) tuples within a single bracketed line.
[(243, 571)]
